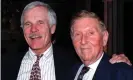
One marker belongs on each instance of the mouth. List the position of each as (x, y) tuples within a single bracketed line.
[(83, 48), (86, 49), (35, 36)]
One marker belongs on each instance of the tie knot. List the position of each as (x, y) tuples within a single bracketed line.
[(38, 57), (85, 69)]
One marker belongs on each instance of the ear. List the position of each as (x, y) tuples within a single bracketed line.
[(52, 29), (105, 37)]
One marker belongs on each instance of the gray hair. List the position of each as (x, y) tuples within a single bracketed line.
[(51, 13), (83, 14)]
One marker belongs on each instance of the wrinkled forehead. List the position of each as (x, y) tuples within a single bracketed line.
[(85, 23), (35, 13)]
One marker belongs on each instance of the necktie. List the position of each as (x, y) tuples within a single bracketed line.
[(83, 71), (36, 72)]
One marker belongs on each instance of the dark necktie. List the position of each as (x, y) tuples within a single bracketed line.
[(83, 71), (36, 72)]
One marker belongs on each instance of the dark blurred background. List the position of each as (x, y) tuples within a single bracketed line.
[(117, 15)]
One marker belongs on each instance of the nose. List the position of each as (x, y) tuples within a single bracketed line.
[(34, 28), (83, 39)]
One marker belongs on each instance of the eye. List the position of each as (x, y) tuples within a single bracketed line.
[(76, 34), (40, 22), (27, 24)]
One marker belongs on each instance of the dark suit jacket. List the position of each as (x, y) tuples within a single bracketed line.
[(63, 61), (107, 71)]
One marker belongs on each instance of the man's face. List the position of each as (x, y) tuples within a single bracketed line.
[(88, 40), (37, 30)]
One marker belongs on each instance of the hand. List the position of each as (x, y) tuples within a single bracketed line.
[(119, 58)]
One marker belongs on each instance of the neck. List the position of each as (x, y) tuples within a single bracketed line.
[(89, 62), (41, 50)]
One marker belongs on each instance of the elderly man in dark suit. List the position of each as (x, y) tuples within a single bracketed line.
[(89, 36)]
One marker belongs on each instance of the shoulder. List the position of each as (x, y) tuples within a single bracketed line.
[(123, 71), (123, 67), (73, 71), (114, 67), (12, 57), (119, 66), (10, 65), (117, 71)]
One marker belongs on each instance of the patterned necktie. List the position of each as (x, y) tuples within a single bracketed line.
[(83, 71), (36, 72)]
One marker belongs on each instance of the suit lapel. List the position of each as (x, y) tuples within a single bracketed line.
[(18, 62), (102, 72), (57, 65)]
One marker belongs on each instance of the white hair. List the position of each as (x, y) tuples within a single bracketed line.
[(51, 13)]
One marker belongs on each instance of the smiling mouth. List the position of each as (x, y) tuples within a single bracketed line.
[(34, 36), (85, 48)]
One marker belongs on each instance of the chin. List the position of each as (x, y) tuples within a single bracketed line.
[(36, 47), (86, 57)]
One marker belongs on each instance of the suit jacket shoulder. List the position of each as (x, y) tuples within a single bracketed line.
[(108, 71), (10, 65)]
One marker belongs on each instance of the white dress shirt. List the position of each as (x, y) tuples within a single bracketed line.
[(89, 75), (46, 64)]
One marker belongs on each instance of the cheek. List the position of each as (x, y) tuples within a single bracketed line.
[(44, 29), (96, 45), (46, 35), (95, 40), (26, 33), (76, 45)]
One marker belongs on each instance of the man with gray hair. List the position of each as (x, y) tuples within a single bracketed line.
[(89, 36), (42, 61), (38, 22)]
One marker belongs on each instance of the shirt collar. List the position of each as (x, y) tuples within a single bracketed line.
[(95, 64), (46, 54)]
